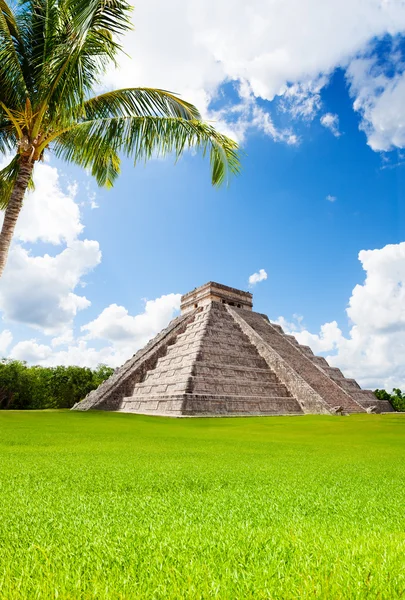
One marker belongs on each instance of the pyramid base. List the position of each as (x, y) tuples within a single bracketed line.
[(186, 405)]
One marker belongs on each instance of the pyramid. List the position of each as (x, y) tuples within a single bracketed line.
[(221, 358)]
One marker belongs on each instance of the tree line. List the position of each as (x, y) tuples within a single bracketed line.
[(35, 387)]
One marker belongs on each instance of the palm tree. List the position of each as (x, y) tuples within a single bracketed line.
[(52, 54)]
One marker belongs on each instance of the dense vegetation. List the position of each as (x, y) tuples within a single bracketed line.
[(397, 398), (105, 506), (24, 387)]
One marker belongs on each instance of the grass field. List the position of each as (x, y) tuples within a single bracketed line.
[(101, 505)]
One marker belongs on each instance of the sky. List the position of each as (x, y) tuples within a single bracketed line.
[(314, 226)]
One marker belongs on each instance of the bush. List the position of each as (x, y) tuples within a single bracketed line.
[(24, 387)]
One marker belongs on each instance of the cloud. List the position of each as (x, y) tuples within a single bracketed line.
[(330, 198), (50, 213), (263, 121), (286, 48), (256, 277), (31, 352), (303, 100), (38, 290), (116, 325), (378, 94), (124, 334), (331, 122), (374, 351), (77, 353), (5, 340)]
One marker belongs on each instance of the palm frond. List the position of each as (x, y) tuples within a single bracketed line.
[(147, 137), (8, 139), (81, 46), (139, 102), (91, 152), (8, 176), (39, 24), (13, 89)]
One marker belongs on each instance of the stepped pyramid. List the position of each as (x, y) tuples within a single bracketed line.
[(221, 358)]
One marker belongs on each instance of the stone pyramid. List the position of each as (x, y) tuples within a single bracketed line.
[(221, 358)]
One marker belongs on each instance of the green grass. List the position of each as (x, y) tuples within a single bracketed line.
[(101, 505)]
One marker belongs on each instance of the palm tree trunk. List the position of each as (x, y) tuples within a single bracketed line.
[(13, 209)]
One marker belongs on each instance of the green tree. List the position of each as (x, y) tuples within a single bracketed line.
[(52, 54), (102, 373), (398, 400), (15, 385), (23, 387)]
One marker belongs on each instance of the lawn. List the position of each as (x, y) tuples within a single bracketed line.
[(103, 505)]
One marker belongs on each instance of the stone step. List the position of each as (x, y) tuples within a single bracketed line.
[(166, 368), (277, 327), (164, 387), (307, 351), (176, 361), (168, 374), (377, 406), (291, 339), (183, 347), (334, 372), (205, 385), (350, 385), (241, 406), (210, 405), (361, 395), (226, 335), (228, 339), (230, 358), (223, 347), (204, 369), (237, 387), (319, 361)]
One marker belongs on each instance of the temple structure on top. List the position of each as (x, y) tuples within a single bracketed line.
[(215, 292), (221, 358)]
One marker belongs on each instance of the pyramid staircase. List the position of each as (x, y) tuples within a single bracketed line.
[(220, 358), (211, 369)]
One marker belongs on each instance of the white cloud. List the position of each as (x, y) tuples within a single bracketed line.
[(329, 338), (331, 198), (263, 121), (380, 100), (49, 214), (5, 340), (61, 340), (374, 351), (124, 335), (38, 290), (31, 352), (116, 325), (303, 100), (77, 353), (284, 47), (331, 122), (256, 277)]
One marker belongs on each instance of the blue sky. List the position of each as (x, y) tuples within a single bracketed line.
[(322, 180)]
